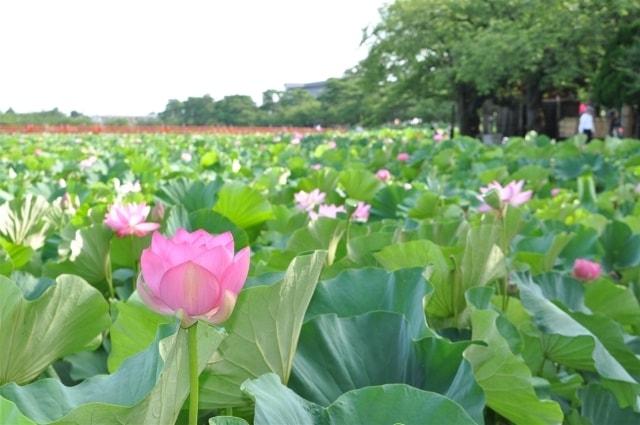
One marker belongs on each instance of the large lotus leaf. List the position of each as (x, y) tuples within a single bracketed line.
[(193, 195), (418, 253), (263, 333), (19, 255), (558, 288), (389, 202), (244, 206), (216, 223), (504, 377), (134, 329), (588, 342), (542, 252), (24, 221), (482, 260), (621, 246), (336, 355), (322, 234), (426, 254), (65, 319), (149, 388), (552, 320), (386, 404), (361, 249), (125, 252), (89, 257), (582, 245), (11, 415), (339, 354), (614, 301), (359, 184), (600, 407), (360, 291)]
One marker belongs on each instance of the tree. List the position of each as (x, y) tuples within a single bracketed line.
[(236, 110)]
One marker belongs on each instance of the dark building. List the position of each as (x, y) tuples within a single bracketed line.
[(314, 89)]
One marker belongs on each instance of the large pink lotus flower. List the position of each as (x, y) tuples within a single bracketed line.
[(383, 174), (129, 219), (586, 270), (308, 201), (403, 157), (362, 212), (195, 276), (439, 136), (511, 194)]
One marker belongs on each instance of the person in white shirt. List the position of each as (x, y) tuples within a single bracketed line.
[(586, 125)]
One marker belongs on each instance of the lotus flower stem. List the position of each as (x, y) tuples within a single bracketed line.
[(193, 374)]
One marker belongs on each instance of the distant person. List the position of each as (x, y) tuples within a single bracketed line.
[(615, 124), (582, 108), (586, 125)]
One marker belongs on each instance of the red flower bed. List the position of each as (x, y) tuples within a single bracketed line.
[(154, 129)]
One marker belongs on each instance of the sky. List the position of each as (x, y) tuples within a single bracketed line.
[(130, 57)]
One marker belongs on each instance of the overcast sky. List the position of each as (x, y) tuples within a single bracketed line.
[(128, 57)]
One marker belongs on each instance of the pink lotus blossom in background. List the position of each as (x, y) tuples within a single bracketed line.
[(511, 194), (555, 191), (439, 136), (362, 212), (316, 167), (586, 270), (193, 275), (383, 175), (123, 189), (308, 201), (38, 152), (330, 210), (331, 144), (129, 219), (297, 138), (403, 157), (186, 156), (88, 162)]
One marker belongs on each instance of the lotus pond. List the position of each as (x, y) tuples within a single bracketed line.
[(383, 277)]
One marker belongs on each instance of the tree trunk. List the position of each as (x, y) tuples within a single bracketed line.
[(534, 118), (467, 102)]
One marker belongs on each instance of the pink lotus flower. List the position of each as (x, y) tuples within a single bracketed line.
[(511, 194), (308, 201), (403, 157), (555, 192), (328, 211), (331, 144), (383, 174), (439, 136), (316, 167), (297, 138), (129, 219), (88, 162), (362, 212), (586, 270), (193, 275)]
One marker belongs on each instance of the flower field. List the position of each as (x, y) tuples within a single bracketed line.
[(375, 277)]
